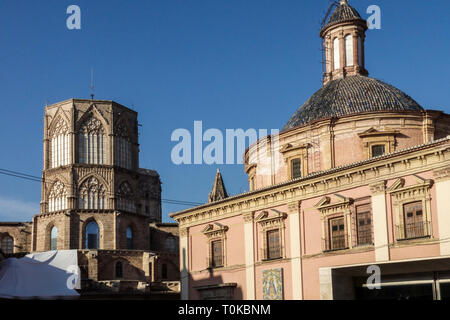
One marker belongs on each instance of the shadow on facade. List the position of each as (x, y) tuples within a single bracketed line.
[(209, 285)]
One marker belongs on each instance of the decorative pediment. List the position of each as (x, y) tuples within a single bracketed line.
[(372, 132), (399, 183), (421, 186), (271, 218), (327, 206), (215, 230), (289, 147), (92, 112)]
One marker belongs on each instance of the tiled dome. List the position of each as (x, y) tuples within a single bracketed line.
[(351, 95), (343, 13)]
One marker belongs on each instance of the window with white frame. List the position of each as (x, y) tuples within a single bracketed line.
[(92, 142), (59, 144), (92, 194), (125, 198), (57, 199)]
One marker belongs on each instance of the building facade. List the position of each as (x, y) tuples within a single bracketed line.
[(96, 199), (355, 185)]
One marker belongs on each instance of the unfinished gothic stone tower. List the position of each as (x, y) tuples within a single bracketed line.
[(94, 195)]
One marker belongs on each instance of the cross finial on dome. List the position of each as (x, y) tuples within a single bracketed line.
[(344, 2)]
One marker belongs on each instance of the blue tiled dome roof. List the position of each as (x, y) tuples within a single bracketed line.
[(351, 95)]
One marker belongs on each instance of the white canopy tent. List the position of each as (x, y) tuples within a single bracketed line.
[(45, 275)]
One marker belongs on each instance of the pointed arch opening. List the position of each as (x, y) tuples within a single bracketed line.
[(122, 146), (59, 144), (129, 234), (92, 194), (92, 236), (92, 142), (125, 198), (54, 238), (57, 199)]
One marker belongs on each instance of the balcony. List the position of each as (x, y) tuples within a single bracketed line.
[(415, 230)]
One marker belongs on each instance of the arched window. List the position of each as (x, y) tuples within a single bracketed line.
[(59, 144), (92, 194), (125, 198), (92, 142), (7, 245), (336, 55), (57, 199), (54, 239), (348, 50), (164, 271), (122, 146), (119, 269), (129, 238), (92, 236)]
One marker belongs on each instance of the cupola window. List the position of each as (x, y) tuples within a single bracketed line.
[(337, 56), (348, 50)]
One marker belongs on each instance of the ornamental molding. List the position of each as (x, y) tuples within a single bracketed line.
[(372, 132), (215, 230), (289, 147), (341, 204), (442, 174), (420, 189), (248, 216), (378, 187), (294, 207), (184, 232), (371, 172), (271, 219)]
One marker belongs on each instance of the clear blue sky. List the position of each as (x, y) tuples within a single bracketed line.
[(230, 63)]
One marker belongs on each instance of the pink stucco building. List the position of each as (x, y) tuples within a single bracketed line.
[(356, 185)]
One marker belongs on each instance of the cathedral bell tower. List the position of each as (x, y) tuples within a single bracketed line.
[(343, 39)]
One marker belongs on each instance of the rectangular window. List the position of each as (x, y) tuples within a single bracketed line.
[(364, 224), (273, 244), (378, 150), (217, 253), (337, 234), (414, 226), (296, 167)]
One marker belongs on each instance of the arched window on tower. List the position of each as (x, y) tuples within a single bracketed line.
[(122, 146), (92, 142), (125, 198), (92, 194), (92, 236), (129, 238), (7, 245), (348, 50), (336, 54), (59, 144), (57, 199), (54, 239)]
